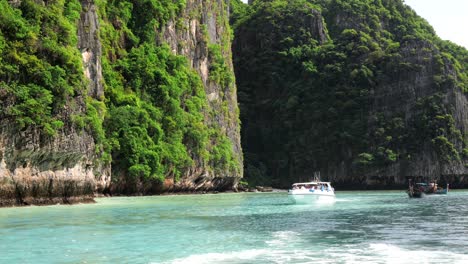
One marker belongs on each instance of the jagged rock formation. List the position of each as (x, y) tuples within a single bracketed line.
[(199, 33), (38, 170), (89, 45), (65, 152), (363, 92), (37, 164)]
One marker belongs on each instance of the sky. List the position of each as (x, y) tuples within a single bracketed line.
[(449, 18)]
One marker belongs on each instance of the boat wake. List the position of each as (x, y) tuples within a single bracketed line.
[(372, 253), (386, 253), (394, 254), (283, 238)]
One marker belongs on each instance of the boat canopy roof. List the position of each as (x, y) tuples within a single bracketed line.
[(310, 183)]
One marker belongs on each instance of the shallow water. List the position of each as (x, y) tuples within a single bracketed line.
[(357, 227)]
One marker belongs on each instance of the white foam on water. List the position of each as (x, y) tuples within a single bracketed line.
[(373, 253), (344, 200), (283, 238), (395, 254), (387, 253), (276, 252), (256, 255), (285, 247)]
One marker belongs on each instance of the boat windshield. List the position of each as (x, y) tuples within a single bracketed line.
[(309, 185)]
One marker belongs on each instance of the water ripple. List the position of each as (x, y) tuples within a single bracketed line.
[(359, 227)]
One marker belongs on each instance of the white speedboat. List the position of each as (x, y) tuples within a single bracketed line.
[(304, 192)]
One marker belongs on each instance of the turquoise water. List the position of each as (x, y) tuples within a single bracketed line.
[(358, 227)]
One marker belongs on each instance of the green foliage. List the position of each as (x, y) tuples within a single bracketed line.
[(136, 140), (138, 20), (40, 68), (220, 72), (152, 123), (318, 95), (445, 148), (158, 128), (239, 13), (365, 159), (32, 107), (434, 122), (93, 122), (222, 158), (389, 138), (156, 124)]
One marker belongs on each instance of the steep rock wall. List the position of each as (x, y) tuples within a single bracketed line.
[(203, 24), (38, 168), (66, 157), (399, 96), (191, 142), (90, 48), (266, 79), (416, 91), (382, 101)]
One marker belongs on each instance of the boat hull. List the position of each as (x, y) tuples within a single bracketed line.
[(420, 194), (415, 194), (310, 196), (422, 189), (443, 191), (307, 192)]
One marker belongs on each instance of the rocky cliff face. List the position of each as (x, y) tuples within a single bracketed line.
[(38, 170), (70, 162), (424, 92), (202, 27), (195, 142), (41, 167), (89, 45), (358, 92), (401, 96)]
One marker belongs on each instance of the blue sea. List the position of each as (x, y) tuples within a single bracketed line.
[(355, 227)]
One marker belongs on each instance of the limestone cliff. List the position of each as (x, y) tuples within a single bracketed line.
[(418, 103), (195, 39), (45, 157), (199, 31), (65, 95), (35, 169), (363, 92)]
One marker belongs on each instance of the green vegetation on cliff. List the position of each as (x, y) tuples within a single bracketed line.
[(157, 104), (152, 122), (40, 68), (326, 85)]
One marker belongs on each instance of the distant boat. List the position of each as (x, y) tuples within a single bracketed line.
[(421, 189), (304, 192)]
